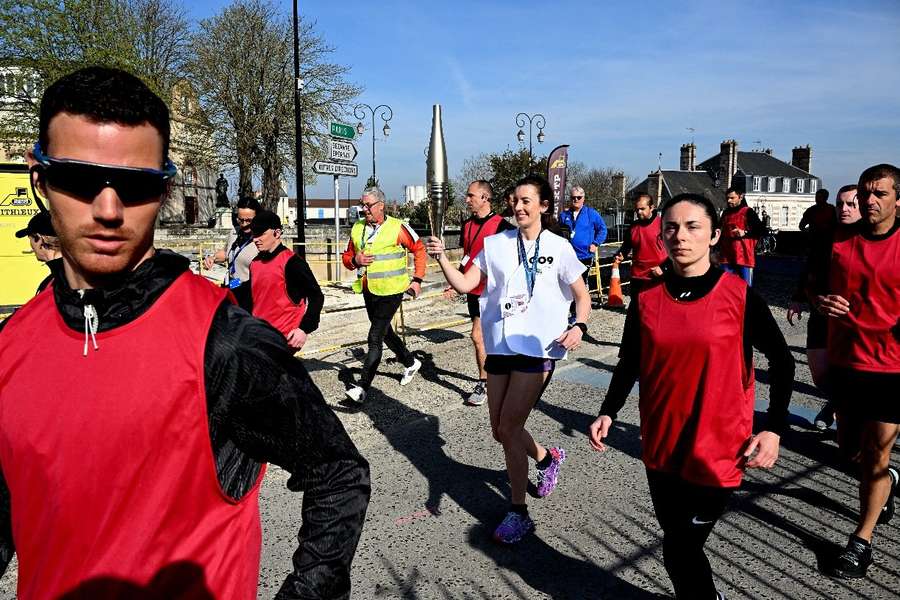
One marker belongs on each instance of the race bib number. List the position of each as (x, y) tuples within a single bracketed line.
[(513, 305)]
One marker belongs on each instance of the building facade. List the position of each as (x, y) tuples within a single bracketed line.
[(782, 190)]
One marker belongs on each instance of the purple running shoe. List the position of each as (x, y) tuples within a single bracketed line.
[(513, 528), (548, 478)]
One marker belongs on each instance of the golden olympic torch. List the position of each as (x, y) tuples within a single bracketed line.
[(436, 176)]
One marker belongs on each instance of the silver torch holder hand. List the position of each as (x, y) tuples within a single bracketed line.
[(438, 181)]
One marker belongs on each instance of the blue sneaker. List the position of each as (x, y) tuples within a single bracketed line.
[(513, 528), (549, 478)]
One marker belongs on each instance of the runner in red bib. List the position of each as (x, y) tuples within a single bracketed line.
[(689, 339), (741, 229), (863, 310), (135, 471), (484, 222), (644, 241), (283, 290)]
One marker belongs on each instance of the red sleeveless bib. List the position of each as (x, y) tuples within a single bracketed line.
[(737, 251), (647, 249), (867, 274), (696, 396), (271, 301), (108, 458)]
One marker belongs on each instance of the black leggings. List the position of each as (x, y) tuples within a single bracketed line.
[(687, 514), (381, 310)]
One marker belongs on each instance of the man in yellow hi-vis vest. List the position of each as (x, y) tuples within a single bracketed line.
[(377, 250)]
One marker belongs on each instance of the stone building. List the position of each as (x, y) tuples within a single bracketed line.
[(782, 189)]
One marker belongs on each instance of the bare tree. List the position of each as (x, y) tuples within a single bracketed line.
[(243, 71), (599, 190)]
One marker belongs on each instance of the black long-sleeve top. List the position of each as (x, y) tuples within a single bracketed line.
[(755, 227), (760, 332), (301, 284), (262, 407)]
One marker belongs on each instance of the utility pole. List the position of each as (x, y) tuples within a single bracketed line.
[(300, 240)]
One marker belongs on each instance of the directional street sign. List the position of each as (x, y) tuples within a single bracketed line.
[(340, 150), (330, 168), (342, 130)]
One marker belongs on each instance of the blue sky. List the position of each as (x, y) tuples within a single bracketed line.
[(620, 81)]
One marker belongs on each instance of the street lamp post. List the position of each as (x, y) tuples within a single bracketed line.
[(300, 240), (536, 119), (386, 114)]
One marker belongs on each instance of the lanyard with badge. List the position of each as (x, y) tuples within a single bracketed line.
[(515, 304), (361, 271), (233, 253)]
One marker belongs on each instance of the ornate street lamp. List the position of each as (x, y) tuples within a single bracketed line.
[(386, 114), (537, 120)]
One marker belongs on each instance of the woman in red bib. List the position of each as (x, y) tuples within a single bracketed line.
[(689, 339)]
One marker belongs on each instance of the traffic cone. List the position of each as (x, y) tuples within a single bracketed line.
[(615, 299)]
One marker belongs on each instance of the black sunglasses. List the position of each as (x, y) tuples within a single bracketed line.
[(85, 180)]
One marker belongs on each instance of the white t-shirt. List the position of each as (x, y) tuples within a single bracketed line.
[(532, 332)]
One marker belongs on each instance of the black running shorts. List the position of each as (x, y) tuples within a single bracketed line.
[(867, 395)]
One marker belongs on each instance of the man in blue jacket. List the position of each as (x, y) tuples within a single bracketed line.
[(588, 230)]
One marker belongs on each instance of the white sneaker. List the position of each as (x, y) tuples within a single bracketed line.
[(410, 372), (478, 395), (356, 394)]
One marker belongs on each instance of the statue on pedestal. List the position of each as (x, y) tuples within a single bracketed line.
[(222, 192)]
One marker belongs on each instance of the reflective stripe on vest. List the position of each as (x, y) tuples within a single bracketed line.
[(388, 275)]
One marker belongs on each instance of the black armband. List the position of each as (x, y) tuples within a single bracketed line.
[(580, 326), (417, 280)]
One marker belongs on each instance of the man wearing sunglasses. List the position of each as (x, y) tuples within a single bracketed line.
[(136, 470), (377, 251), (587, 228)]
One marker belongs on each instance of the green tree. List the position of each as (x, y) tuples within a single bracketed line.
[(42, 40)]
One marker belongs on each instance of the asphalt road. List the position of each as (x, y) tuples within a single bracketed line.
[(439, 484)]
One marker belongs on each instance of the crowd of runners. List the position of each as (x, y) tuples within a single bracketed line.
[(153, 367)]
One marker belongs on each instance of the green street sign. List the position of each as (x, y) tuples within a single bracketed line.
[(343, 131)]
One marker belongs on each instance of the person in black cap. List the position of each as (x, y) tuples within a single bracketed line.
[(42, 237), (283, 290), (44, 242)]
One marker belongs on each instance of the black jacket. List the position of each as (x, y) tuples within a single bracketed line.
[(263, 407)]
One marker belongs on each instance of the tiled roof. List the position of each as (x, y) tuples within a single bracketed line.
[(688, 182), (758, 163)]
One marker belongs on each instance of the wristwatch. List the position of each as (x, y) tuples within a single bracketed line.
[(580, 326)]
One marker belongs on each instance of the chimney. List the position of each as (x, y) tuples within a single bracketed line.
[(688, 157), (801, 157), (768, 151), (654, 186), (618, 187), (727, 161)]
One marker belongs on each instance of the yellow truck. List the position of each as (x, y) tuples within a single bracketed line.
[(20, 272)]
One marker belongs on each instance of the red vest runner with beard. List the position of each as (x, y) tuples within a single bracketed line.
[(114, 487), (867, 274), (271, 301), (737, 251), (473, 236), (647, 249), (696, 394)]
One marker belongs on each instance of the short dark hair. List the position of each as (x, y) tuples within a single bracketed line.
[(249, 202), (485, 186), (104, 95), (734, 189), (700, 200), (636, 197), (881, 171), (850, 187)]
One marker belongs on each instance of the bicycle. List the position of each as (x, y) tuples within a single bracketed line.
[(766, 244)]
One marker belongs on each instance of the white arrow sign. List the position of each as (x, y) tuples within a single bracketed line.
[(341, 150), (329, 168)]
